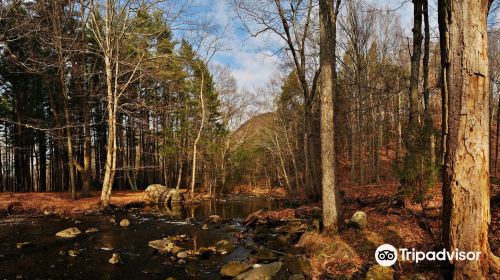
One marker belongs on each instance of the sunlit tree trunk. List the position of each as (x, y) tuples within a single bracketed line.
[(198, 135), (328, 17), (466, 190)]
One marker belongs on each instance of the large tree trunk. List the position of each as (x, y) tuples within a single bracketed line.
[(466, 192), (328, 17)]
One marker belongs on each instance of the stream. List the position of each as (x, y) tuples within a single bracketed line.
[(48, 256)]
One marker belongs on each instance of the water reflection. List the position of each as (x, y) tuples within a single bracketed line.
[(226, 208)]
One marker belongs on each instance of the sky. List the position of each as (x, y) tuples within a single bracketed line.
[(251, 59)]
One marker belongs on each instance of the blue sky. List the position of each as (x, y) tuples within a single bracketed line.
[(250, 58)]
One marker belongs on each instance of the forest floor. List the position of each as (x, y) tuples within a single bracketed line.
[(61, 203), (401, 223), (392, 219)]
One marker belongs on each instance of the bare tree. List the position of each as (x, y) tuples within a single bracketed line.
[(466, 184), (328, 12)]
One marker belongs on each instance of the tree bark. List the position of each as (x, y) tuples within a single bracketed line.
[(328, 18), (466, 191), (415, 63)]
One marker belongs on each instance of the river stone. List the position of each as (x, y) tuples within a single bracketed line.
[(22, 245), (272, 271), (224, 247), (125, 223), (233, 268), (214, 219), (358, 220), (91, 230), (204, 227), (205, 252), (73, 253), (265, 254), (378, 272), (115, 259), (69, 233), (182, 255)]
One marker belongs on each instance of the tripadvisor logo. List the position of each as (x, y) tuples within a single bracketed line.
[(387, 255)]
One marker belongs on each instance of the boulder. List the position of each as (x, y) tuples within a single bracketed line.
[(378, 272), (358, 220), (115, 259), (125, 223), (182, 255), (233, 268), (160, 194), (214, 219), (265, 254), (224, 247), (272, 271), (69, 233)]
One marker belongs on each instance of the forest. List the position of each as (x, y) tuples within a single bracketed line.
[(249, 139)]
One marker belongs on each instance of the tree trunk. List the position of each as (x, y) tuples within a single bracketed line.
[(415, 64), (328, 18), (466, 192), (195, 144)]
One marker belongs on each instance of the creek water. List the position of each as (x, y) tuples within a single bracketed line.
[(48, 257)]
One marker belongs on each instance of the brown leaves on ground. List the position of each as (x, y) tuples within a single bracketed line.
[(260, 190), (62, 203)]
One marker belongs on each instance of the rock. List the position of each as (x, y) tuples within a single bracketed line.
[(204, 227), (317, 225), (265, 254), (77, 222), (165, 245), (205, 252), (358, 220), (91, 230), (171, 278), (232, 228), (115, 259), (112, 220), (378, 272), (69, 233), (224, 247), (296, 277), (181, 261), (317, 211), (297, 265), (73, 253), (160, 194), (214, 219), (182, 255), (125, 223), (22, 245), (272, 271), (47, 213), (159, 244), (233, 268)]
